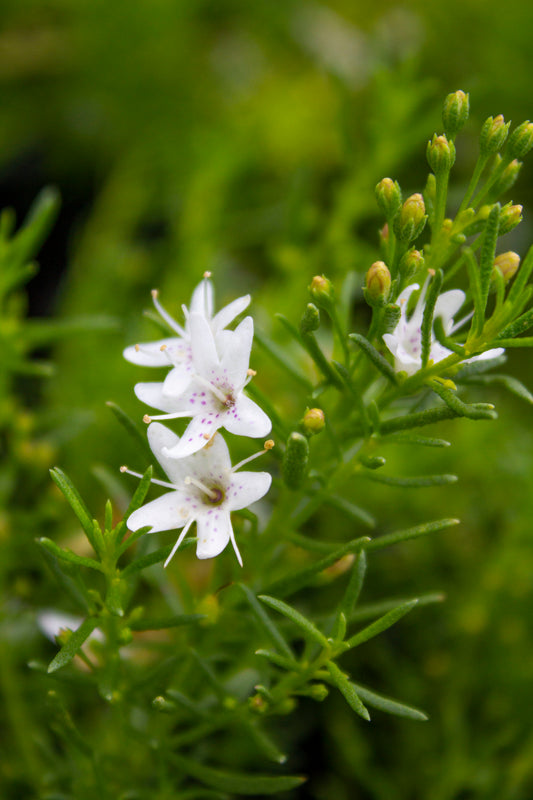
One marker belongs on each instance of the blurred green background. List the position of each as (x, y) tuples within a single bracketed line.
[(246, 138)]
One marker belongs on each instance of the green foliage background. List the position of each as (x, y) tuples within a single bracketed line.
[(246, 138)]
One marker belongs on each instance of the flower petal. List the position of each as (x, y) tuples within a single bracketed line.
[(164, 514), (246, 488), (202, 300), (236, 359), (214, 530), (196, 435), (204, 351), (246, 418), (161, 439), (228, 313), (152, 394), (447, 306), (177, 380), (150, 354)]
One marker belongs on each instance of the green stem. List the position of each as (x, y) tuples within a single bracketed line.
[(478, 169)]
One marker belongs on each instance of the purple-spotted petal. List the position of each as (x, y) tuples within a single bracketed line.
[(213, 530), (196, 435), (164, 514), (245, 418), (247, 488)]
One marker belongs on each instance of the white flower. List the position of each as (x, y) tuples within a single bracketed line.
[(405, 342), (205, 488), (175, 351), (214, 398), (52, 622)]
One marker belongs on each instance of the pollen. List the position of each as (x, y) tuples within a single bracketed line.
[(269, 444), (147, 419)]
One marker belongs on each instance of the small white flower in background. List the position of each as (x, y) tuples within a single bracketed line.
[(175, 351), (214, 398), (52, 622), (405, 342), (205, 488)]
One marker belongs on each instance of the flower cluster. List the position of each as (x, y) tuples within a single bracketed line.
[(209, 369)]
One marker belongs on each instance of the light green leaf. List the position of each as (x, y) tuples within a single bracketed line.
[(69, 650), (410, 533), (67, 555), (305, 625), (389, 705), (376, 358), (381, 624), (347, 688), (266, 623)]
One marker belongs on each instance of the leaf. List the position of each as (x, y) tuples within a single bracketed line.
[(471, 411), (265, 622), (373, 610), (416, 419), (389, 705), (136, 502), (419, 482), (427, 318), (135, 430), (65, 581), (161, 623), (355, 584), (155, 557), (410, 533), (515, 328), (69, 650), (376, 358), (297, 580), (68, 555), (353, 511), (477, 367), (380, 625), (487, 254), (36, 226), (425, 441), (280, 661), (237, 782), (511, 384), (520, 281), (75, 501), (347, 689), (305, 625), (279, 355)]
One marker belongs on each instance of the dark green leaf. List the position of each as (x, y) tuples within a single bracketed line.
[(380, 624), (236, 782), (376, 358), (78, 506), (388, 705), (160, 623), (306, 626), (347, 688), (410, 533), (68, 555), (265, 622)]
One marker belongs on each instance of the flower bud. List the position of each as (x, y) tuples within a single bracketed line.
[(521, 140), (410, 220), (455, 112), (322, 291), (313, 421), (310, 320), (389, 197), (391, 317), (440, 154), (493, 135), (510, 217), (506, 179), (508, 264), (294, 467), (318, 691), (410, 263), (377, 284)]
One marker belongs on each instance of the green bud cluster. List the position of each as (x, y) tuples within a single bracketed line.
[(440, 154), (493, 135), (389, 197), (311, 319), (411, 219), (410, 263), (455, 113), (510, 217), (322, 291), (521, 140), (377, 284)]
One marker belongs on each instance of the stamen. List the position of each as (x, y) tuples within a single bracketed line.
[(175, 415), (234, 543), (165, 315), (460, 323), (251, 373), (181, 537), (152, 480), (207, 275), (209, 492), (269, 444), (216, 391)]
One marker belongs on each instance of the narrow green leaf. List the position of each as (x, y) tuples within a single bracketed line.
[(136, 502), (67, 584), (410, 533), (475, 288), (416, 420), (69, 650), (517, 327), (351, 510), (279, 355), (389, 705), (520, 281), (305, 625), (236, 782), (41, 332), (161, 623), (380, 624), (75, 501), (427, 318), (263, 742), (471, 411), (310, 343), (424, 441), (376, 358), (349, 384), (373, 610), (187, 703), (478, 367), (488, 253), (280, 661), (418, 482), (161, 554), (297, 580), (347, 689), (511, 384), (114, 599), (525, 341), (36, 226), (265, 622), (135, 430), (355, 584), (67, 555)]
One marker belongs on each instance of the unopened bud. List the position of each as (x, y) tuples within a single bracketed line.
[(389, 197), (313, 421), (506, 179), (508, 264), (409, 222), (510, 217), (377, 284), (322, 291), (521, 140), (310, 320), (455, 112), (391, 317), (318, 691), (295, 460), (493, 135), (410, 263), (440, 154)]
